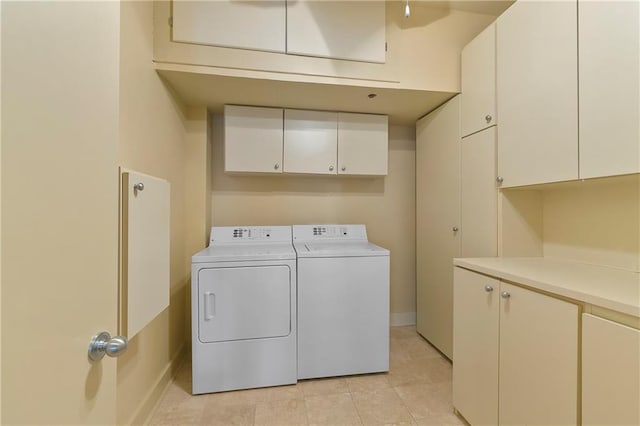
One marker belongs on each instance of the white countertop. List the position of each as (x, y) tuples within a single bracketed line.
[(610, 288)]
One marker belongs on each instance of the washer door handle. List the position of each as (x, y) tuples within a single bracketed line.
[(209, 305)]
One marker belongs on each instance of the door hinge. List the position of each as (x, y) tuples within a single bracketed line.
[(170, 21)]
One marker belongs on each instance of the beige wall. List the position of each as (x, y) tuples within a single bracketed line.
[(158, 136), (596, 221), (385, 205)]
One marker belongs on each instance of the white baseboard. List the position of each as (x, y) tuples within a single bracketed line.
[(403, 318)]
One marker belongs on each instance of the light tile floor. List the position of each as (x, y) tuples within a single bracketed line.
[(416, 391)]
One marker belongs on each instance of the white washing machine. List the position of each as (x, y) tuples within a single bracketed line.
[(343, 301), (243, 309)]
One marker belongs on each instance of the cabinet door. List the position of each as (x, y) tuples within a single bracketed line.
[(352, 30), (310, 141), (478, 99), (242, 24), (609, 56), (475, 346), (252, 139), (537, 93), (538, 359), (610, 373), (478, 195), (437, 214), (363, 141)]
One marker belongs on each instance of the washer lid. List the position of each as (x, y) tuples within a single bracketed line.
[(339, 249), (244, 252)]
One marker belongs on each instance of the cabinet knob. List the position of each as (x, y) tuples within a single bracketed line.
[(330, 168), (488, 288), (276, 166), (344, 168), (488, 118), (505, 295), (499, 179), (455, 229)]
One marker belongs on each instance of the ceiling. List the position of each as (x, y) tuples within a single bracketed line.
[(402, 105)]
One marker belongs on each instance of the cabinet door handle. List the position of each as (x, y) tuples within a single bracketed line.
[(488, 118), (344, 168), (330, 168), (505, 295), (499, 179), (455, 229), (488, 288), (276, 166)]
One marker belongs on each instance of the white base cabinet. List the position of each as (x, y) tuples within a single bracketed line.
[(476, 315), (515, 355), (610, 373)]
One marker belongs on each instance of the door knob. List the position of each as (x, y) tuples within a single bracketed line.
[(103, 344), (138, 186)]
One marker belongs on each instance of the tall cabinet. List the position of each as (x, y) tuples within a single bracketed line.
[(456, 194), (437, 221)]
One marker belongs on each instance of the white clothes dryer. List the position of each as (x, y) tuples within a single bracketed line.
[(343, 301), (243, 309)]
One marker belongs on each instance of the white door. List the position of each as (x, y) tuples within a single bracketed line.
[(437, 221), (609, 58), (476, 315), (310, 141), (363, 144), (478, 68), (258, 25), (537, 99), (353, 30), (60, 70), (251, 302), (478, 195), (538, 359), (253, 138)]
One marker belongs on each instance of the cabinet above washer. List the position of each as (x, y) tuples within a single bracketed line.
[(277, 140)]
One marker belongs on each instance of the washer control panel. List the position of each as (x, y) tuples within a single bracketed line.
[(253, 234), (329, 232)]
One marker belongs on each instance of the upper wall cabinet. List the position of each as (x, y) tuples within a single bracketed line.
[(478, 99), (537, 95), (252, 139), (258, 25), (310, 139), (362, 144), (353, 30), (609, 84)]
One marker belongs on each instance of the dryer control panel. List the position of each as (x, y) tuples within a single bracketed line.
[(250, 234), (329, 232)]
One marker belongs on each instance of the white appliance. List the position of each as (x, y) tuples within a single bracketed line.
[(343, 301), (243, 309)]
